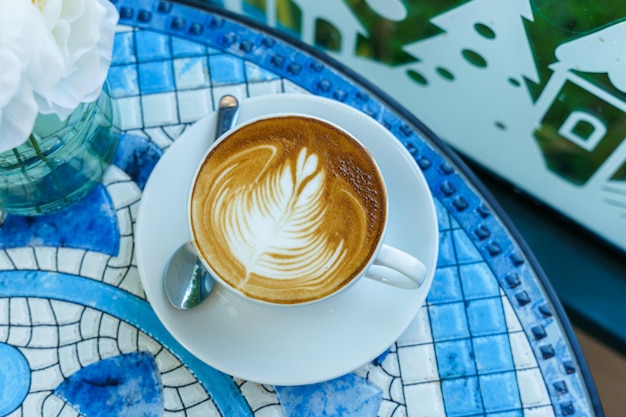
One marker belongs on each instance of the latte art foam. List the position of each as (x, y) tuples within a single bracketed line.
[(288, 209)]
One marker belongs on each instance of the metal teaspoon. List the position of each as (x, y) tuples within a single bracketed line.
[(186, 281)]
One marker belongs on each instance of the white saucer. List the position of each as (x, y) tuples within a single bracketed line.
[(299, 345)]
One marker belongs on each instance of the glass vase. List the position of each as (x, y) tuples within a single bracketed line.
[(61, 161)]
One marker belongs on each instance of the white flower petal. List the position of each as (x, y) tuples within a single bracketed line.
[(51, 60), (87, 55), (17, 119)]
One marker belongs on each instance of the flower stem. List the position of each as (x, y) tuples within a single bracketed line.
[(51, 165), (25, 173)]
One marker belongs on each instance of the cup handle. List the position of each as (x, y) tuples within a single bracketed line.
[(397, 268)]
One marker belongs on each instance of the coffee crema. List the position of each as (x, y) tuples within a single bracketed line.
[(288, 209)]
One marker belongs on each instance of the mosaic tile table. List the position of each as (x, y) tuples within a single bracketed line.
[(78, 337)]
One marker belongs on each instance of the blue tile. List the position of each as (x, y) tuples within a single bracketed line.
[(454, 224), (448, 321), (152, 46), (465, 249), (191, 73), (123, 49), (443, 216), (347, 396), (184, 48), (89, 224), (156, 77), (493, 354), (461, 397), (226, 69), (500, 392), (513, 413), (15, 378), (447, 255), (446, 286), (455, 359), (486, 316), (255, 73), (123, 81), (129, 384), (137, 156), (478, 281)]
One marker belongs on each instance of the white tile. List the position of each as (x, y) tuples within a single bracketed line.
[(39, 358), (46, 258), (44, 336), (5, 261), (19, 336), (69, 333), (127, 338), (23, 258), (265, 88), (424, 400), (396, 391), (4, 311), (94, 265), (194, 105), (390, 365), (290, 87), (68, 359), (124, 255), (193, 394), (124, 193), (512, 321), (523, 356), (418, 363), (107, 348), (166, 361), (70, 259), (174, 131), (418, 331), (171, 400), (132, 283), (146, 343), (89, 323), (113, 276), (51, 407), (67, 411), (109, 327), (19, 312), (40, 311), (124, 28), (532, 388), (66, 312), (391, 408), (134, 210), (114, 174), (208, 409), (191, 73), (130, 113), (159, 137), (88, 352), (159, 109), (44, 379), (381, 379), (178, 377)]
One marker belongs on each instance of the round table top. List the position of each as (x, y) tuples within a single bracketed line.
[(492, 338)]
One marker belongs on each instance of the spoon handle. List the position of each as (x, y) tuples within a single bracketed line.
[(226, 115)]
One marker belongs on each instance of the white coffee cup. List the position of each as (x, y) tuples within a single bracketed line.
[(319, 178)]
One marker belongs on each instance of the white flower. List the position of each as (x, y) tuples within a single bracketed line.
[(54, 54)]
